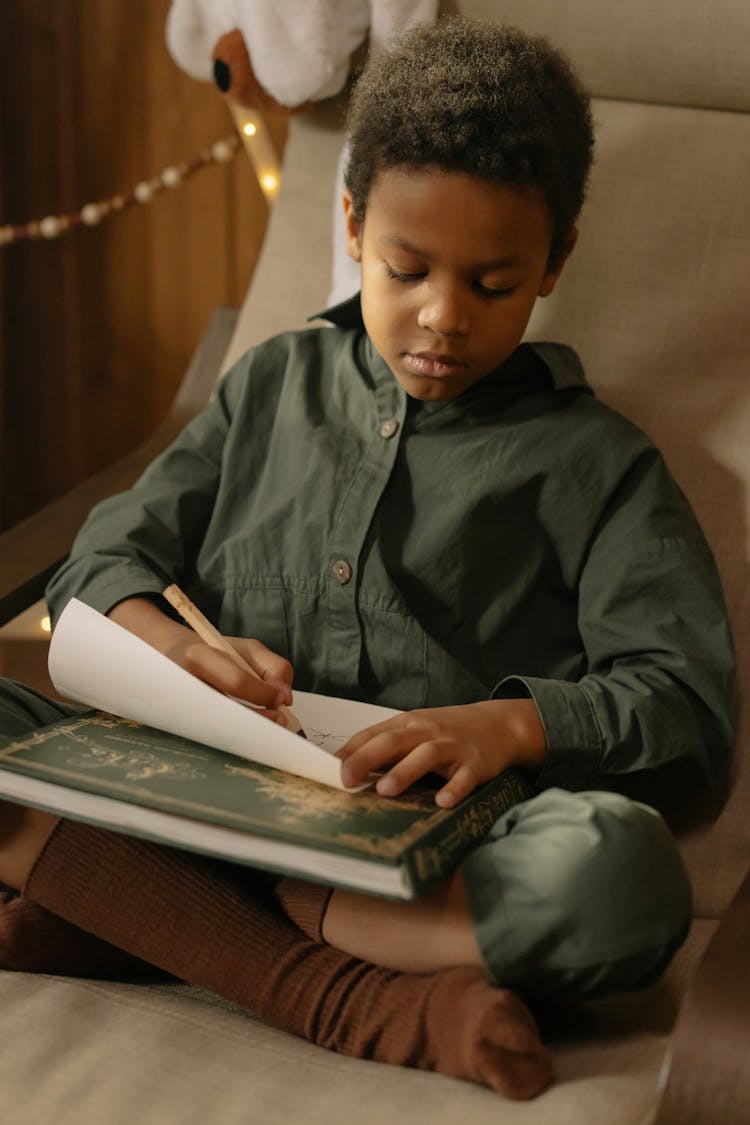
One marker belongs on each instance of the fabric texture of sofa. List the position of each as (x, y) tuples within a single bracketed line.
[(656, 301)]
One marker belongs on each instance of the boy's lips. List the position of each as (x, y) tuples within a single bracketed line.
[(432, 363)]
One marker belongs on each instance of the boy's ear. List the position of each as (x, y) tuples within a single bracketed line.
[(556, 264), (353, 228)]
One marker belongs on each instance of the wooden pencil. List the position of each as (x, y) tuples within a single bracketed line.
[(208, 633)]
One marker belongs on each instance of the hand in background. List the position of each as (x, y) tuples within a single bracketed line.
[(468, 744)]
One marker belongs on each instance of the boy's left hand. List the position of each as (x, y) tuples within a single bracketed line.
[(467, 744)]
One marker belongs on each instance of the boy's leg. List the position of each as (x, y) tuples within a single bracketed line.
[(33, 940), (579, 895), (23, 833), (23, 710), (201, 922), (425, 936), (572, 894)]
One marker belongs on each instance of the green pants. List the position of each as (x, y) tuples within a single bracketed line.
[(578, 894), (572, 894)]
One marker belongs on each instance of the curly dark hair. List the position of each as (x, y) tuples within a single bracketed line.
[(474, 97)]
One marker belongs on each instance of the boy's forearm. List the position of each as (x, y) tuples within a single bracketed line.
[(144, 618), (268, 686)]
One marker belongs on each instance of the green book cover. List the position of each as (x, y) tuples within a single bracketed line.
[(120, 774)]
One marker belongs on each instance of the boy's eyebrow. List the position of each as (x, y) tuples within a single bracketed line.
[(495, 264)]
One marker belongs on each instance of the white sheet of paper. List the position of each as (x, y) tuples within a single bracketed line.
[(97, 662)]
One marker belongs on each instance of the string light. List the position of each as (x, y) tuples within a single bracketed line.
[(91, 214), (260, 148), (269, 181), (257, 143)]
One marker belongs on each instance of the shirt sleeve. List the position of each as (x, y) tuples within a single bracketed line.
[(137, 542), (659, 685)]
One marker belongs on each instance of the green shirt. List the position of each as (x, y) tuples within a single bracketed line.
[(521, 539)]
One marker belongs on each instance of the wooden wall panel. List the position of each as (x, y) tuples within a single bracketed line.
[(98, 326)]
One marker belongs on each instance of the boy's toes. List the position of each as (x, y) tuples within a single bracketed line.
[(508, 1053)]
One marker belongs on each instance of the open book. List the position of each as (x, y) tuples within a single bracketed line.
[(95, 661), (169, 758)]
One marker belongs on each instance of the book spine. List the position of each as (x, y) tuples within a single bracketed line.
[(463, 829)]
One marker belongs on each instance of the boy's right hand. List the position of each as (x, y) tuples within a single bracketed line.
[(274, 688)]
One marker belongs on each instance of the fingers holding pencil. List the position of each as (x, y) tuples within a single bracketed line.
[(217, 668), (268, 667), (271, 673)]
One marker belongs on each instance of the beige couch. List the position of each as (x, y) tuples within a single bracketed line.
[(657, 300)]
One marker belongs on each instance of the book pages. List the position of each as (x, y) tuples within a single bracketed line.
[(95, 661)]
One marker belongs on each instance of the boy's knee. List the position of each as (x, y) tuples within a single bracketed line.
[(589, 895), (23, 710)]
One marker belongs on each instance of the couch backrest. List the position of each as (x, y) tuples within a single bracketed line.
[(656, 297)]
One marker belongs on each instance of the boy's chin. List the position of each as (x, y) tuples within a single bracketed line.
[(434, 389)]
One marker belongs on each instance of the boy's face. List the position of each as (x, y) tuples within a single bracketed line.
[(451, 268)]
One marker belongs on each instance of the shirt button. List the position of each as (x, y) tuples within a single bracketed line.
[(342, 571), (389, 428)]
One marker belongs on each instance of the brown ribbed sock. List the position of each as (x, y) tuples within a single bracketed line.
[(305, 903), (201, 922), (34, 941)]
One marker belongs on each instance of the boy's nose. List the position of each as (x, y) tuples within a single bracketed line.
[(443, 312)]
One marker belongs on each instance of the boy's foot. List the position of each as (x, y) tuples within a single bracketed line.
[(481, 1033)]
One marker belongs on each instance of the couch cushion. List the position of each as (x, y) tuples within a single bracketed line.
[(89, 1052)]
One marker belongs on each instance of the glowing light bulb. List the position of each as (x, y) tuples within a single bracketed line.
[(45, 625), (260, 149)]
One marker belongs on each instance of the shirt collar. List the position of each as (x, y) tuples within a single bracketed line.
[(347, 314), (563, 364)]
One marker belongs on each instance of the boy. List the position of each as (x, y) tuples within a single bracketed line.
[(415, 508)]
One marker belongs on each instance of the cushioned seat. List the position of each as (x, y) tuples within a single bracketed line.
[(87, 1051), (655, 299)]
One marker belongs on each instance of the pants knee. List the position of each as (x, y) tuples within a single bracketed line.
[(589, 895), (23, 710)]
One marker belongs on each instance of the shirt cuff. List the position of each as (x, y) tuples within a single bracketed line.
[(574, 738), (106, 590)]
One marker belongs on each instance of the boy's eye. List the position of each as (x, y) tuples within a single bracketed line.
[(492, 292), (398, 275)]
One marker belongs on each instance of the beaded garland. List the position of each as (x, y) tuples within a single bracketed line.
[(92, 213)]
